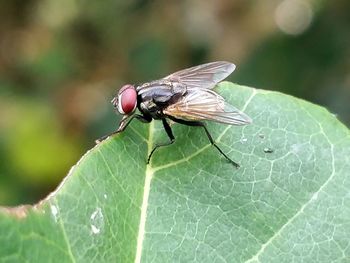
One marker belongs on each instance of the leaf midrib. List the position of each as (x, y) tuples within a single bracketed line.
[(148, 178)]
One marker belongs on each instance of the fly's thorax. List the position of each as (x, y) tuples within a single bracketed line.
[(179, 88)]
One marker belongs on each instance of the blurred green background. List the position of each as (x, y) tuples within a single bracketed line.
[(61, 62)]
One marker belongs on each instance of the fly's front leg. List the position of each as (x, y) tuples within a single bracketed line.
[(169, 132), (201, 124), (124, 123)]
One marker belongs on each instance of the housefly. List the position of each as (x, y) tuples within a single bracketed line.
[(185, 97)]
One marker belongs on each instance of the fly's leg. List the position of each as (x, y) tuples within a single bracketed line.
[(201, 124), (169, 132), (124, 123)]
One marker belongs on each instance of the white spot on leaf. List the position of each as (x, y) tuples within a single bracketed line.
[(54, 211), (314, 196), (243, 140), (95, 230), (97, 221)]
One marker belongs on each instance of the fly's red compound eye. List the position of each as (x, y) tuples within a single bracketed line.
[(127, 99)]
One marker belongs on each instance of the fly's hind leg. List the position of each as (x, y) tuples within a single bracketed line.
[(201, 124), (169, 132)]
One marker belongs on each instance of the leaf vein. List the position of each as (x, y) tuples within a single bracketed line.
[(115, 179), (65, 237)]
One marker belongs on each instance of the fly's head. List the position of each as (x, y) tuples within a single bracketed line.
[(126, 100)]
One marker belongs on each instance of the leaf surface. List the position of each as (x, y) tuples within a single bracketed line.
[(289, 201)]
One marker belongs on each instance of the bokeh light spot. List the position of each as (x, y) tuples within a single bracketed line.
[(293, 17)]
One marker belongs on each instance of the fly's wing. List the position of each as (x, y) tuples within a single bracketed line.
[(204, 76), (205, 104)]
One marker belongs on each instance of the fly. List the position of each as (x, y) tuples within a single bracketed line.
[(185, 97)]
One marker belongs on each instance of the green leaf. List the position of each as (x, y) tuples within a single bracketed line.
[(289, 201)]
